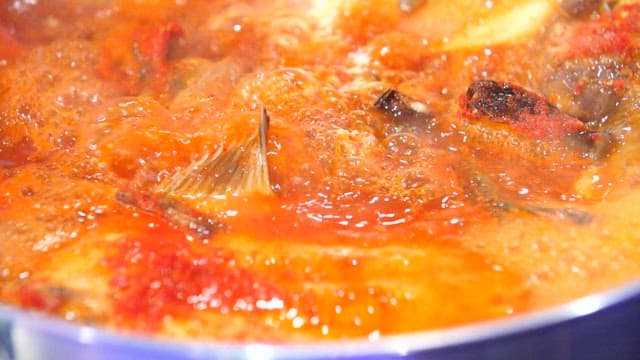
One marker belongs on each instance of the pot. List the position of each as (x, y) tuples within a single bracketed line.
[(599, 326)]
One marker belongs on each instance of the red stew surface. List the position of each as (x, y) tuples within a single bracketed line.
[(288, 171)]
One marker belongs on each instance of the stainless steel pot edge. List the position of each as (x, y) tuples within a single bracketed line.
[(15, 321)]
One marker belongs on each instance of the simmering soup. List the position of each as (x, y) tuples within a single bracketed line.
[(298, 170)]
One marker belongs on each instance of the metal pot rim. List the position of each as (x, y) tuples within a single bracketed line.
[(398, 345)]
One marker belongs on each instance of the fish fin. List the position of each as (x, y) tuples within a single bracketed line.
[(482, 189), (195, 223), (239, 169), (576, 216)]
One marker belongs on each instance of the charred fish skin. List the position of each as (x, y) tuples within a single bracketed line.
[(406, 114), (505, 102), (395, 103), (499, 101), (532, 116)]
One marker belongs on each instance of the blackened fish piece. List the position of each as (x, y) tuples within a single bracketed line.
[(406, 117), (392, 101), (502, 101), (532, 116), (527, 112)]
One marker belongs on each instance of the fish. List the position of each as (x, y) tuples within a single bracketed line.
[(531, 119), (241, 169), (498, 116), (483, 189)]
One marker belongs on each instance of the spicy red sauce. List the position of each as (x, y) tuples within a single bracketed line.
[(143, 189)]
